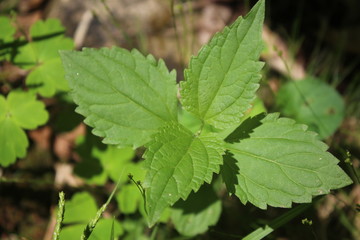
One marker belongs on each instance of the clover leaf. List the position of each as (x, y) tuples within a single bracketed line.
[(41, 56), (19, 111)]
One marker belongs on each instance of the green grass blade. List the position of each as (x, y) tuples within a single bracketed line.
[(112, 230), (262, 232)]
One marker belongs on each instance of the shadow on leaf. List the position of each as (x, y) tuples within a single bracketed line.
[(245, 128), (197, 202), (35, 86), (229, 171)]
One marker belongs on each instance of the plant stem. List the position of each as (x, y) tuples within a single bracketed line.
[(261, 232), (176, 33), (60, 216)]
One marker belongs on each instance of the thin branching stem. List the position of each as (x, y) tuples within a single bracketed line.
[(141, 189)]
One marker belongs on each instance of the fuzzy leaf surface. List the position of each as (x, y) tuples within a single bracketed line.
[(221, 81), (178, 162), (18, 111), (276, 162), (125, 96)]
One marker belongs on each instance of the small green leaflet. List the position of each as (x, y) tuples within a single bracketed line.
[(41, 55), (221, 81), (19, 111), (277, 162), (125, 96), (178, 162)]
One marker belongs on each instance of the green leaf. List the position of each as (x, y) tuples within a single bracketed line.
[(25, 110), (101, 231), (6, 29), (125, 96), (80, 209), (257, 109), (98, 162), (189, 121), (129, 199), (197, 213), (178, 162), (276, 162), (47, 78), (6, 36), (117, 163), (221, 81), (72, 232), (47, 39), (13, 142), (41, 55), (314, 103), (19, 110), (134, 229)]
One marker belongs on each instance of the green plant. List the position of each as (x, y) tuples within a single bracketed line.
[(19, 111), (41, 56), (76, 214), (130, 101), (314, 103), (37, 53)]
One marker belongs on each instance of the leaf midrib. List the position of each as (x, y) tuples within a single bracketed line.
[(178, 195), (229, 66), (157, 94), (271, 161), (231, 104), (116, 90)]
